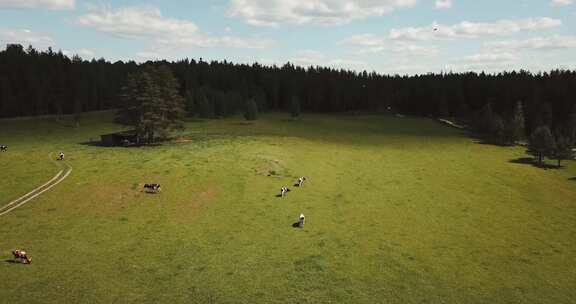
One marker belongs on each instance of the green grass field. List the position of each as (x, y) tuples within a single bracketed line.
[(397, 210)]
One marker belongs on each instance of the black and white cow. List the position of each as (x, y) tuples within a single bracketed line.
[(3, 148), (61, 156), (22, 256), (283, 191), (154, 188), (300, 181), (301, 220)]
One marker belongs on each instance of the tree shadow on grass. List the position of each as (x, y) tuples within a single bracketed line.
[(532, 162), (485, 140), (490, 143)]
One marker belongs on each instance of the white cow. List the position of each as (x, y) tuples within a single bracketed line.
[(301, 220)]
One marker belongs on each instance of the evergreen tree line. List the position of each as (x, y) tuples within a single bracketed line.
[(46, 82)]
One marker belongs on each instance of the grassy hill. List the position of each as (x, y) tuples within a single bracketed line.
[(397, 210)]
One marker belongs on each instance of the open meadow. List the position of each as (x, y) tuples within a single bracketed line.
[(398, 210)]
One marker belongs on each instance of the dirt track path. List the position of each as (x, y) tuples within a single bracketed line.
[(66, 169)]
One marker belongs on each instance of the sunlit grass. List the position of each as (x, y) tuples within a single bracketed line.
[(397, 210)]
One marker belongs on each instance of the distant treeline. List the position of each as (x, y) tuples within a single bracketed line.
[(46, 82)]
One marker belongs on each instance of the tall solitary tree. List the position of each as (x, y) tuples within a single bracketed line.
[(541, 143), (151, 103)]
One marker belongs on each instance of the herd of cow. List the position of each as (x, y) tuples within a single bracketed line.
[(22, 256), (284, 190), (155, 188)]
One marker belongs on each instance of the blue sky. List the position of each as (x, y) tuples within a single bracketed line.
[(387, 36)]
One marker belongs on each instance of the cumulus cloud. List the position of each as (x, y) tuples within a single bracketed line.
[(441, 4), (554, 42), (166, 33), (561, 2), (322, 12), (38, 4), (25, 37), (404, 40), (466, 29)]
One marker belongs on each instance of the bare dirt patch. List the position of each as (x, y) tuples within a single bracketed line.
[(188, 210)]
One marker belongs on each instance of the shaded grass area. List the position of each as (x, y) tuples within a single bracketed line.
[(397, 211)]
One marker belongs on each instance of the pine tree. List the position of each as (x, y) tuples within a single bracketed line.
[(251, 110), (295, 107), (171, 107), (541, 143), (151, 104), (563, 149)]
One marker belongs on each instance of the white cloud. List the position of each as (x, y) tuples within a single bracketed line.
[(489, 58), (371, 44), (538, 43), (404, 40), (561, 2), (322, 12), (442, 4), (486, 61), (165, 33), (25, 37), (467, 29), (41, 4)]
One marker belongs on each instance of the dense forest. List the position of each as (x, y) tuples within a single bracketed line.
[(36, 82)]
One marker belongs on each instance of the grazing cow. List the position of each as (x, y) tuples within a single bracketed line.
[(3, 148), (283, 191), (301, 220), (61, 156), (22, 256), (301, 181), (154, 188)]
